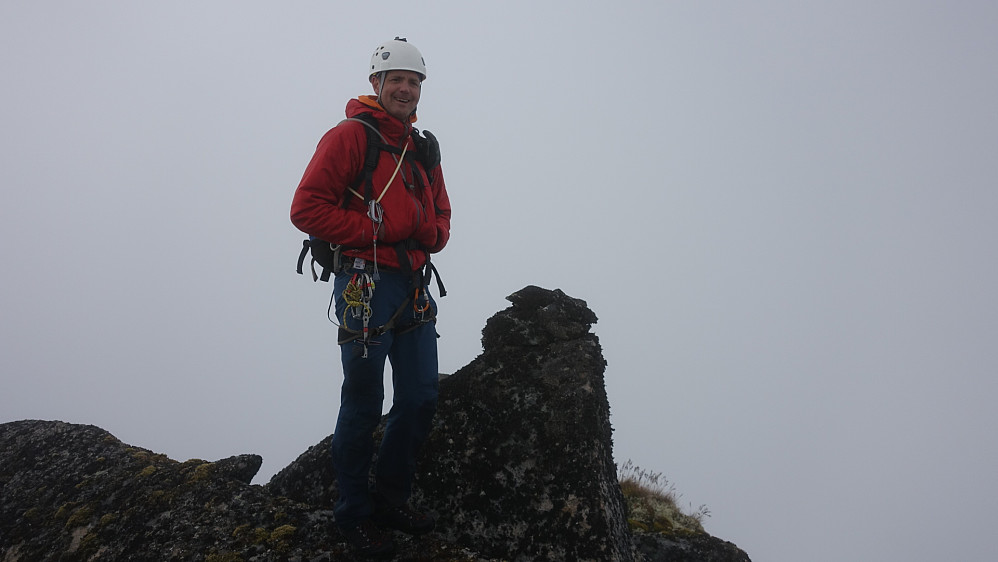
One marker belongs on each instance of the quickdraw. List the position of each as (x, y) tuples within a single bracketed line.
[(357, 295), (376, 214)]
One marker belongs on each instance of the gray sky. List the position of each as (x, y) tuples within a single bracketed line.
[(783, 214)]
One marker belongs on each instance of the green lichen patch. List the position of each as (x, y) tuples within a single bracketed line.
[(34, 514), (108, 519), (248, 534), (282, 534), (144, 456), (202, 472), (65, 510), (80, 517)]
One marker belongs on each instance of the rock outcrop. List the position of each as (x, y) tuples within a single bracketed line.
[(519, 467)]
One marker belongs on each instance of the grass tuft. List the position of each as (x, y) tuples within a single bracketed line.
[(653, 503)]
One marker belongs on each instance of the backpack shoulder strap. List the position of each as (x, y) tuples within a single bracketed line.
[(362, 185), (376, 144)]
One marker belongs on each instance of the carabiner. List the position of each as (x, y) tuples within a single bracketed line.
[(375, 212)]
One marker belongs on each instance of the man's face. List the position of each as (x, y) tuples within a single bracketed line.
[(399, 94)]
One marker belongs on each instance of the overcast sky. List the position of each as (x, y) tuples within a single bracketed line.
[(783, 213)]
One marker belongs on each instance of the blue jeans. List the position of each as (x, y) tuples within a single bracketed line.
[(413, 355)]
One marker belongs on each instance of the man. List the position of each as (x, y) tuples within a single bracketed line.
[(385, 223)]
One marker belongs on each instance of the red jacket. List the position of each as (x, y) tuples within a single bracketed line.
[(317, 210)]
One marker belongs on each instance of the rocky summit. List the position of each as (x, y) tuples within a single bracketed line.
[(519, 467)]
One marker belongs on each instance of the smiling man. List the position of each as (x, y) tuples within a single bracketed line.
[(374, 205), (398, 91)]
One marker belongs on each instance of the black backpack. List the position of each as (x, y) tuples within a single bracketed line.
[(427, 151)]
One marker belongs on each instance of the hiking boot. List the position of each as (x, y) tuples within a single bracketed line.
[(367, 540), (404, 518)]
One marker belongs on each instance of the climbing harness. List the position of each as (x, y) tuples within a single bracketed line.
[(358, 296)]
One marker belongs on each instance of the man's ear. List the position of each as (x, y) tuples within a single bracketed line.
[(375, 84)]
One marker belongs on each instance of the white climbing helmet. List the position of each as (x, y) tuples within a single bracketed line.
[(397, 54)]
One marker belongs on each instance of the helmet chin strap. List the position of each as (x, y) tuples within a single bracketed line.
[(381, 84)]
